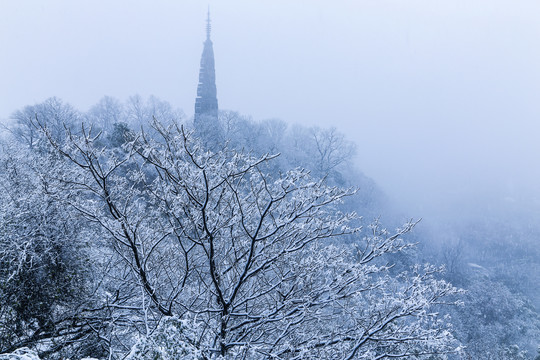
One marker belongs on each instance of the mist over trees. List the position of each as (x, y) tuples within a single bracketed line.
[(127, 233)]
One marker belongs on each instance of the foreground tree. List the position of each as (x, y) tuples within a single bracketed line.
[(244, 256)]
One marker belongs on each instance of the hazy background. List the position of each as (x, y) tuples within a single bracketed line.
[(441, 97)]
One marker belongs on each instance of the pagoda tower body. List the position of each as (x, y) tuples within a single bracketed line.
[(206, 104)]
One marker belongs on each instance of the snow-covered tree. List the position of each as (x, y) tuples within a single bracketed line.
[(210, 237), (57, 113), (45, 269)]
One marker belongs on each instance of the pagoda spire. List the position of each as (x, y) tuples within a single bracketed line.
[(206, 104), (208, 24)]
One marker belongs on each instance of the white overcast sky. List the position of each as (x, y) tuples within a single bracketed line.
[(442, 97)]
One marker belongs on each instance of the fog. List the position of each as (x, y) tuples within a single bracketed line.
[(441, 97)]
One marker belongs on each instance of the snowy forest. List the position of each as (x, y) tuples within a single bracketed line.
[(372, 193), (127, 233)]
